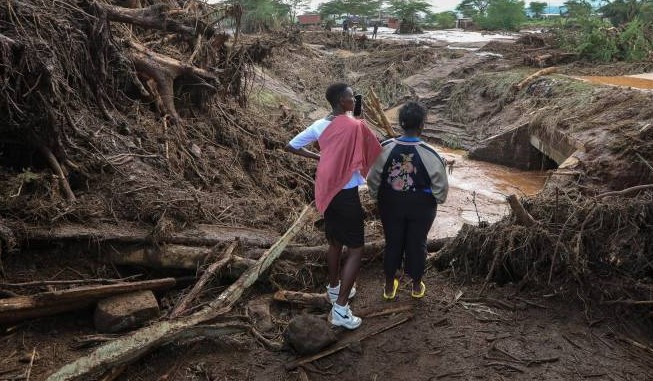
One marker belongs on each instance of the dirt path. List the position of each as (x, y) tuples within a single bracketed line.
[(541, 338)]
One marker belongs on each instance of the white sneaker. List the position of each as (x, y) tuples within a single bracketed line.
[(333, 292), (342, 317)]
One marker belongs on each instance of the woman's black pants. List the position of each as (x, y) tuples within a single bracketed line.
[(407, 218)]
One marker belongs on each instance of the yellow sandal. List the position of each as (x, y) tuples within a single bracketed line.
[(419, 294), (395, 286)]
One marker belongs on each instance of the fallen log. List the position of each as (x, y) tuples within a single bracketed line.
[(178, 257), (191, 257), (300, 253), (226, 257), (48, 303), (130, 348), (171, 257), (201, 235), (539, 73)]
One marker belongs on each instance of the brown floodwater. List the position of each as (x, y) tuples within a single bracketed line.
[(642, 81), (478, 190)]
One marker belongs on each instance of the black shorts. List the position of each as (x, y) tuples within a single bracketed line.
[(343, 219)]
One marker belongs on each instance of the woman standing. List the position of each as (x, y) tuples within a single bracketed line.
[(347, 150), (408, 179)]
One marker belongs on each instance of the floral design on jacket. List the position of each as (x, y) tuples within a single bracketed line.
[(400, 175)]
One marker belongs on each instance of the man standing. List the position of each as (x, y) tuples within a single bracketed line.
[(347, 151), (376, 29)]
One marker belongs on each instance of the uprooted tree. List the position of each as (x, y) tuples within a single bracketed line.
[(131, 109), (80, 64)]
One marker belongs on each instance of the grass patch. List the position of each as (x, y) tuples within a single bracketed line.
[(267, 98), (452, 141), (493, 87)]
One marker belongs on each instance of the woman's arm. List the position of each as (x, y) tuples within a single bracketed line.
[(302, 152), (306, 137)]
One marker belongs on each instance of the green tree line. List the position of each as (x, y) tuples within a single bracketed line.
[(599, 30)]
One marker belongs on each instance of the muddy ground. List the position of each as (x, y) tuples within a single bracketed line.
[(511, 325)]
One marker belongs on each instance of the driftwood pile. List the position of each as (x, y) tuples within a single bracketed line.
[(602, 244)]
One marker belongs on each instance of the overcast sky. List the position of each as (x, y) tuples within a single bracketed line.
[(443, 5)]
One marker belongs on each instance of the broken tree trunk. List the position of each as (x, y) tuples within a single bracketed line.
[(153, 17), (130, 348), (522, 216), (48, 303), (226, 257)]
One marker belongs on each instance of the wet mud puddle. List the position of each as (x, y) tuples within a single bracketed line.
[(478, 190)]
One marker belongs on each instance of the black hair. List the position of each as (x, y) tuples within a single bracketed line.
[(411, 116), (334, 93)]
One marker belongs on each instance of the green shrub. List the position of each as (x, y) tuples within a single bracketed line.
[(598, 40)]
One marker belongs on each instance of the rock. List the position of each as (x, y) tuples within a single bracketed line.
[(356, 347), (196, 150), (126, 311), (308, 334)]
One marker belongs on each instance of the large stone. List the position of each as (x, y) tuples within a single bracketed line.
[(126, 311), (308, 334)]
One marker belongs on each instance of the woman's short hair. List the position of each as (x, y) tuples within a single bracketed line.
[(334, 93), (411, 116)]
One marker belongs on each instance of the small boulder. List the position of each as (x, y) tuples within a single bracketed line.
[(308, 334), (123, 312)]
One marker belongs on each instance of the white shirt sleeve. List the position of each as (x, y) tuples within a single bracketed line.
[(310, 134)]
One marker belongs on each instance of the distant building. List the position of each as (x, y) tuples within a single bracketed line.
[(309, 20), (464, 23)]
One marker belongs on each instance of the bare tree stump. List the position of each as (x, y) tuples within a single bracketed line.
[(522, 216)]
